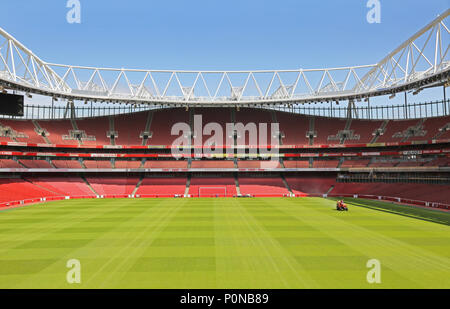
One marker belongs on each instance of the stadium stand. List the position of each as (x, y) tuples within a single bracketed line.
[(36, 163), (363, 131), (66, 163), (317, 163), (97, 163), (165, 164), (129, 128), (262, 186), (296, 164), (440, 162), (95, 130), (396, 131), (212, 186), (315, 185), (429, 129), (293, 128), (157, 124), (246, 116), (355, 163), (113, 185), (220, 116), (160, 186), (63, 186), (254, 164), (15, 189), (162, 123), (327, 130), (419, 192), (127, 164), (58, 132), (8, 163), (212, 164), (391, 163), (24, 130)]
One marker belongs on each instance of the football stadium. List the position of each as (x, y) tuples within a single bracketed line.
[(263, 179)]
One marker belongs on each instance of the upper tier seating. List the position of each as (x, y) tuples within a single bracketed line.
[(256, 116), (129, 128), (293, 127), (95, 130), (431, 128), (162, 123), (364, 129), (258, 164), (25, 129), (396, 127), (58, 131), (445, 135), (326, 129), (317, 163)]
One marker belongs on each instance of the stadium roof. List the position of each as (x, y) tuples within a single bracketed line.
[(421, 61)]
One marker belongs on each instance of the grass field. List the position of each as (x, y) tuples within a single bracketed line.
[(222, 243)]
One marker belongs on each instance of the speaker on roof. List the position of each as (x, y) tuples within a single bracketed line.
[(11, 104)]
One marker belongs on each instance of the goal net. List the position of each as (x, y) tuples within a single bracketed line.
[(212, 191)]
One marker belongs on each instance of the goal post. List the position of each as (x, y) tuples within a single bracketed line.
[(212, 191)]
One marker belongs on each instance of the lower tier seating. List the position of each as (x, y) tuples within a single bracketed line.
[(310, 184), (33, 187), (8, 163), (19, 189), (262, 186), (73, 186), (113, 185), (212, 186), (36, 163), (168, 186), (66, 163), (419, 192)]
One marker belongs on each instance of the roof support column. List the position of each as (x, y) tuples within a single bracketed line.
[(406, 105), (445, 100)]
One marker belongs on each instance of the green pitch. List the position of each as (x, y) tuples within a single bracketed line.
[(222, 243)]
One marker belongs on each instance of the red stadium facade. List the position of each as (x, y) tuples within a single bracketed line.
[(131, 156)]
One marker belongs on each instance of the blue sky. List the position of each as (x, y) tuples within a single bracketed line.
[(210, 34)]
